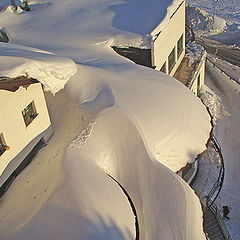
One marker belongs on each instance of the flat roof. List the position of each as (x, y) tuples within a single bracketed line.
[(13, 84)]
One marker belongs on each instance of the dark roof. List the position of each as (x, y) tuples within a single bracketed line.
[(13, 84)]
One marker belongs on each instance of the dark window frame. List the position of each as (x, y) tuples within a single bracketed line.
[(180, 46), (198, 84), (171, 60), (163, 68), (29, 113), (3, 144)]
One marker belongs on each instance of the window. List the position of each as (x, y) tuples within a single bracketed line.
[(3, 145), (180, 46), (29, 113), (163, 68), (171, 60), (198, 84)]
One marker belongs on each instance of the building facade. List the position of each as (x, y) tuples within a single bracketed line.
[(168, 42), (168, 51), (24, 125)]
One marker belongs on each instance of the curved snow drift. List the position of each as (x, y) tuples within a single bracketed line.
[(160, 196)]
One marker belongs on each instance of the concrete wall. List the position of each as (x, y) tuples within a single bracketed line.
[(17, 136), (167, 39), (199, 73)]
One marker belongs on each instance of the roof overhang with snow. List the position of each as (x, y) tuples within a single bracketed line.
[(13, 84)]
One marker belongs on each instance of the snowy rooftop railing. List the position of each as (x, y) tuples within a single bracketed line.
[(214, 209)]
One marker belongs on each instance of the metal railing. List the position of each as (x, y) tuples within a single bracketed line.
[(218, 184), (214, 209), (222, 71), (216, 190), (217, 187)]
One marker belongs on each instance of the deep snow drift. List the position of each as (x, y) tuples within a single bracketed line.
[(151, 117)]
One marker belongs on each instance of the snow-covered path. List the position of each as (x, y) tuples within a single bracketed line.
[(228, 134)]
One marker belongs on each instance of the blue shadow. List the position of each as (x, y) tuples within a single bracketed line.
[(139, 16)]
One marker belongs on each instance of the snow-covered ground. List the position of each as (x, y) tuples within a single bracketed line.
[(223, 98), (112, 117), (228, 10), (222, 95), (223, 27)]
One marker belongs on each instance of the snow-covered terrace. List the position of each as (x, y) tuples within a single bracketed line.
[(111, 117), (195, 55)]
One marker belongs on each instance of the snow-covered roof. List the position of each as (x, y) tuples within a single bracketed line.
[(130, 17), (51, 70)]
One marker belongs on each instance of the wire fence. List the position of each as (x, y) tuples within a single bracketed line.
[(215, 190)]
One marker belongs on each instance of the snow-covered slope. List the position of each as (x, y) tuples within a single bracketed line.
[(152, 117), (228, 10), (203, 22), (218, 18)]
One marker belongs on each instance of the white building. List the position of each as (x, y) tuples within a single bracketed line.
[(168, 50), (24, 125), (168, 41)]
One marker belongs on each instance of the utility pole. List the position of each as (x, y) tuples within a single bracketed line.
[(214, 11)]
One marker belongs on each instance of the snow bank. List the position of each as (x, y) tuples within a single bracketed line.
[(166, 118), (211, 100), (52, 71), (116, 147)]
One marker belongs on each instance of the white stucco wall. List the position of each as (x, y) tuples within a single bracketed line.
[(12, 125), (167, 39)]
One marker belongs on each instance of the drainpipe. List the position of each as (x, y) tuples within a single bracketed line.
[(152, 52), (13, 3)]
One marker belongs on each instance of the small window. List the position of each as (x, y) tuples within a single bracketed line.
[(171, 60), (180, 46), (198, 84), (3, 145), (29, 113), (163, 68)]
